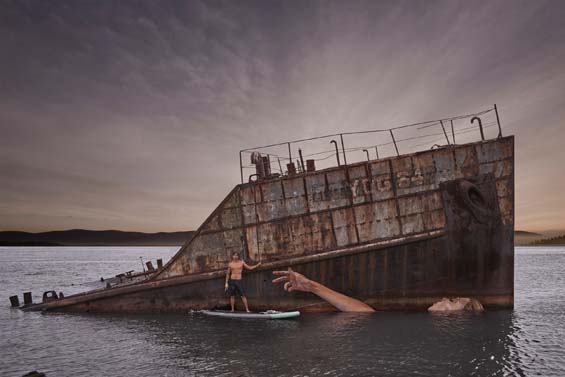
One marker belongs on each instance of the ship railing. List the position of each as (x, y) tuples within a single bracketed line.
[(345, 148)]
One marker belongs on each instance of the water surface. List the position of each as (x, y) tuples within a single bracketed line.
[(525, 341)]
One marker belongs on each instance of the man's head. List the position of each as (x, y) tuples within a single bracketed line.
[(235, 256)]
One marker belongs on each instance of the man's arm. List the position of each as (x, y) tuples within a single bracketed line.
[(251, 267), (298, 282), (228, 272)]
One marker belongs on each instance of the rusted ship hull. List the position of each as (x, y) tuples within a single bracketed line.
[(397, 233), (409, 276)]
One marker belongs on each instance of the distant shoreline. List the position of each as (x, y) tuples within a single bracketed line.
[(81, 237)]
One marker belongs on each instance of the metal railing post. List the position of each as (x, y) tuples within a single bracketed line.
[(498, 121), (377, 151), (366, 151), (445, 133), (241, 166), (394, 142), (289, 154), (452, 131)]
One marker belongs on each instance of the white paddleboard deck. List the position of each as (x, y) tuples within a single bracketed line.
[(269, 314)]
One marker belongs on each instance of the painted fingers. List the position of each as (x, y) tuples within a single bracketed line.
[(284, 276)]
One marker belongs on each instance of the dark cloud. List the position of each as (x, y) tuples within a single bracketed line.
[(131, 114)]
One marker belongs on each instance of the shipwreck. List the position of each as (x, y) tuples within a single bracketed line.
[(432, 218)]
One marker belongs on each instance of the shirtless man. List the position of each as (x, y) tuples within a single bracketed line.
[(233, 280)]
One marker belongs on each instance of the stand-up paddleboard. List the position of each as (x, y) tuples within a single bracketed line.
[(269, 314)]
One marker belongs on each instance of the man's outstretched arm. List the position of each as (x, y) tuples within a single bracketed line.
[(228, 272), (293, 281), (251, 267)]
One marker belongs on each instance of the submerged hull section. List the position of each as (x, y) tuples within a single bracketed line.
[(409, 276), (397, 233)]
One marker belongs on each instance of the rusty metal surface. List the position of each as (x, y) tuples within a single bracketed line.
[(347, 205), (409, 277), (361, 204)]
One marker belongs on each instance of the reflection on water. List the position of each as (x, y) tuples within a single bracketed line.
[(525, 341)]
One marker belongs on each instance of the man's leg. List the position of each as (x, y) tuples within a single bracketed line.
[(244, 299), (232, 302)]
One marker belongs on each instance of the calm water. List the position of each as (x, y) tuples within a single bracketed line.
[(526, 341)]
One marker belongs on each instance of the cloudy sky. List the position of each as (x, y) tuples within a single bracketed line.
[(130, 114)]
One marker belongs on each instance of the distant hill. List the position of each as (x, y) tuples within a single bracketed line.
[(557, 241), (527, 234), (80, 237), (522, 238)]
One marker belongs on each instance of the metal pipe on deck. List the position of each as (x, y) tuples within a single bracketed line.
[(336, 151), (480, 126), (343, 149), (301, 160)]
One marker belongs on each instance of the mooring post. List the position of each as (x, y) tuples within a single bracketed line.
[(498, 121), (394, 142), (28, 300), (149, 265), (14, 301)]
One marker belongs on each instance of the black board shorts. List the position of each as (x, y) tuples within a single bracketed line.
[(235, 287)]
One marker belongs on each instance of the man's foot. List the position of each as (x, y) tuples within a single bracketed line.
[(232, 310), (247, 310)]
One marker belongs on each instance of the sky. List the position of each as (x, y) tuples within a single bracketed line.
[(130, 114)]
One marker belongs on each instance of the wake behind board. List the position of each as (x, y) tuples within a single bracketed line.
[(270, 314)]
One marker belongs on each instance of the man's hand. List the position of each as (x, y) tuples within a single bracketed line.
[(226, 287), (294, 281)]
